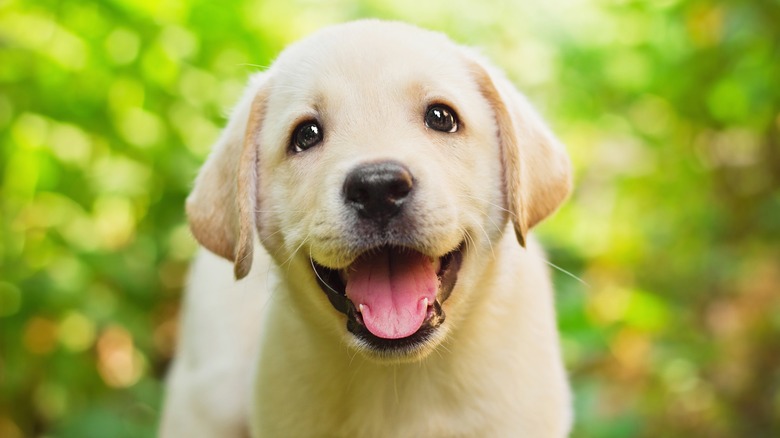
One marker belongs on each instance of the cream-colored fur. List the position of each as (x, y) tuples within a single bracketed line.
[(268, 355)]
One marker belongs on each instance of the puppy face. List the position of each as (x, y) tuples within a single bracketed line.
[(382, 161)]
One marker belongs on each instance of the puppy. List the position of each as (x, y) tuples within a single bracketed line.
[(372, 194)]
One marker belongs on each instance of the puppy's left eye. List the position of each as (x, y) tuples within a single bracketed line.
[(441, 118), (306, 135)]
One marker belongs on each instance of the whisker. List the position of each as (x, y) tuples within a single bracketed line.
[(487, 202), (275, 233), (487, 238), (444, 347), (311, 260), (484, 213), (469, 238), (262, 67), (565, 272), (495, 225), (352, 358), (289, 259)]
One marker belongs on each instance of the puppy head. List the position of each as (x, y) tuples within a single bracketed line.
[(379, 163)]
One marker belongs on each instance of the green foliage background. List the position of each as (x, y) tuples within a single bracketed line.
[(670, 110)]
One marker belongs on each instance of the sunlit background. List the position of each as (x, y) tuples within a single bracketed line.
[(670, 317)]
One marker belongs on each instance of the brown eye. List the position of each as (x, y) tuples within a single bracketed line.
[(441, 118), (306, 135)]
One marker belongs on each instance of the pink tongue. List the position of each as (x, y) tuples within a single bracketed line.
[(392, 287)]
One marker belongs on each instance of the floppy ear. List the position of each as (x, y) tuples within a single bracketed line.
[(536, 169), (222, 206)]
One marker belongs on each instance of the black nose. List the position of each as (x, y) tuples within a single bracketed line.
[(377, 191)]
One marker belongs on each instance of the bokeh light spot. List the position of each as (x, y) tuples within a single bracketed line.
[(125, 93), (178, 42), (76, 332), (119, 363), (40, 335), (122, 46), (30, 130), (120, 175), (140, 127), (114, 221), (70, 144)]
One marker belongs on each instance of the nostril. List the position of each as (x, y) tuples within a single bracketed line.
[(400, 188), (356, 193), (377, 191)]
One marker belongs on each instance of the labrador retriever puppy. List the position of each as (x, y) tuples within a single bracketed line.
[(367, 269)]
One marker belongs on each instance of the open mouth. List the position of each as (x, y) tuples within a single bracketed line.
[(392, 296)]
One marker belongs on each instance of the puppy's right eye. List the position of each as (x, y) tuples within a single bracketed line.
[(306, 135)]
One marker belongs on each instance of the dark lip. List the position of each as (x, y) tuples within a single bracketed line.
[(334, 288)]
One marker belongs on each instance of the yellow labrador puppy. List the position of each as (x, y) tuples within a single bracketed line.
[(372, 194)]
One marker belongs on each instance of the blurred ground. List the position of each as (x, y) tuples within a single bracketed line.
[(670, 110)]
